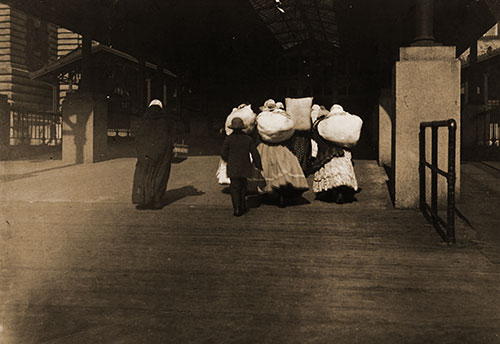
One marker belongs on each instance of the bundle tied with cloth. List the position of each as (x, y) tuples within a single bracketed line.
[(273, 123), (246, 114), (300, 111), (341, 127)]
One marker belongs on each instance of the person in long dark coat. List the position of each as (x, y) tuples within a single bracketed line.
[(154, 146), (236, 152)]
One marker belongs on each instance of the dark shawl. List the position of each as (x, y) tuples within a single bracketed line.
[(156, 134)]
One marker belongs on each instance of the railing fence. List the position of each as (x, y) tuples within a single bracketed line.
[(431, 212)]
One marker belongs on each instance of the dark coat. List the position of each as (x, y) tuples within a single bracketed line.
[(153, 143), (235, 152), (156, 134)]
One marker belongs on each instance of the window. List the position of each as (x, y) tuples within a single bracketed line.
[(37, 44)]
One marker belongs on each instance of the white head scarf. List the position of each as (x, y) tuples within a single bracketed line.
[(156, 102)]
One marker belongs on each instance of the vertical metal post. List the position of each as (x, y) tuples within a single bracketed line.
[(86, 78), (434, 174), (422, 167), (425, 22), (450, 230), (44, 124)]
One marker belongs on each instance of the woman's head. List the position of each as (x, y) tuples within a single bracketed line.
[(269, 105), (156, 102)]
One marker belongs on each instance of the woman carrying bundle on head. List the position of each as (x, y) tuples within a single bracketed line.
[(334, 177), (281, 169)]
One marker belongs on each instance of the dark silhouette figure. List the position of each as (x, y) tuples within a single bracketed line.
[(235, 152), (154, 144)]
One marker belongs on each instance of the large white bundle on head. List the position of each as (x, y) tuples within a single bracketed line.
[(300, 111), (341, 127), (246, 114), (275, 126)]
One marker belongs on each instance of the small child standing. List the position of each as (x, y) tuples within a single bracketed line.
[(235, 152)]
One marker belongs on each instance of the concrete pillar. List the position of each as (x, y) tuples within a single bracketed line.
[(84, 128), (427, 88), (385, 119)]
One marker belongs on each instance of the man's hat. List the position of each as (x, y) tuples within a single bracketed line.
[(237, 123)]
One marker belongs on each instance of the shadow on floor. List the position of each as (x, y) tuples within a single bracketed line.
[(172, 196), (11, 177)]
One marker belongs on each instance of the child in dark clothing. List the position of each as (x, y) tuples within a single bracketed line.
[(235, 152)]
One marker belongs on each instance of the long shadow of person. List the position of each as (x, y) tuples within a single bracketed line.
[(175, 195)]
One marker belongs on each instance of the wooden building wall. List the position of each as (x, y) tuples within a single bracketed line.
[(26, 44), (67, 41)]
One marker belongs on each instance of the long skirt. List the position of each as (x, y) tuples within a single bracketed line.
[(337, 172), (150, 179), (280, 169)]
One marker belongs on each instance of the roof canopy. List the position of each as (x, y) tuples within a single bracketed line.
[(211, 36), (72, 60)]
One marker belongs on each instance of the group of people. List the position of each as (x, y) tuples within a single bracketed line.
[(281, 168), (276, 162)]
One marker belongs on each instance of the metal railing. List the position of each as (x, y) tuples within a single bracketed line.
[(35, 128), (431, 212)]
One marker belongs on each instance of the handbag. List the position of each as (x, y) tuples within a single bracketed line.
[(180, 151)]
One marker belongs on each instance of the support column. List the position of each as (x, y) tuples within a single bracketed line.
[(425, 23), (165, 93), (385, 118), (84, 128), (148, 91), (141, 82), (427, 88), (4, 127), (86, 80)]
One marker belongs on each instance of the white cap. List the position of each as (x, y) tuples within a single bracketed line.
[(156, 102), (336, 109)]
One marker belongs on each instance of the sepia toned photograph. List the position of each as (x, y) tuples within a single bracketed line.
[(249, 171)]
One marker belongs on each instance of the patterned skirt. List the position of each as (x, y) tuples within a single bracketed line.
[(337, 172), (280, 169)]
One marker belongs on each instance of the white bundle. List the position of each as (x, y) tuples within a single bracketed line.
[(300, 111), (246, 114), (341, 127), (221, 173), (315, 110), (275, 126)]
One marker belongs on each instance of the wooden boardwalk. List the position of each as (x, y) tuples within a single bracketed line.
[(80, 265)]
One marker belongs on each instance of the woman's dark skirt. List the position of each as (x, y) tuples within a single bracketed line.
[(150, 179)]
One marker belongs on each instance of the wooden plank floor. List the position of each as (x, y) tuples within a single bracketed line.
[(102, 272)]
